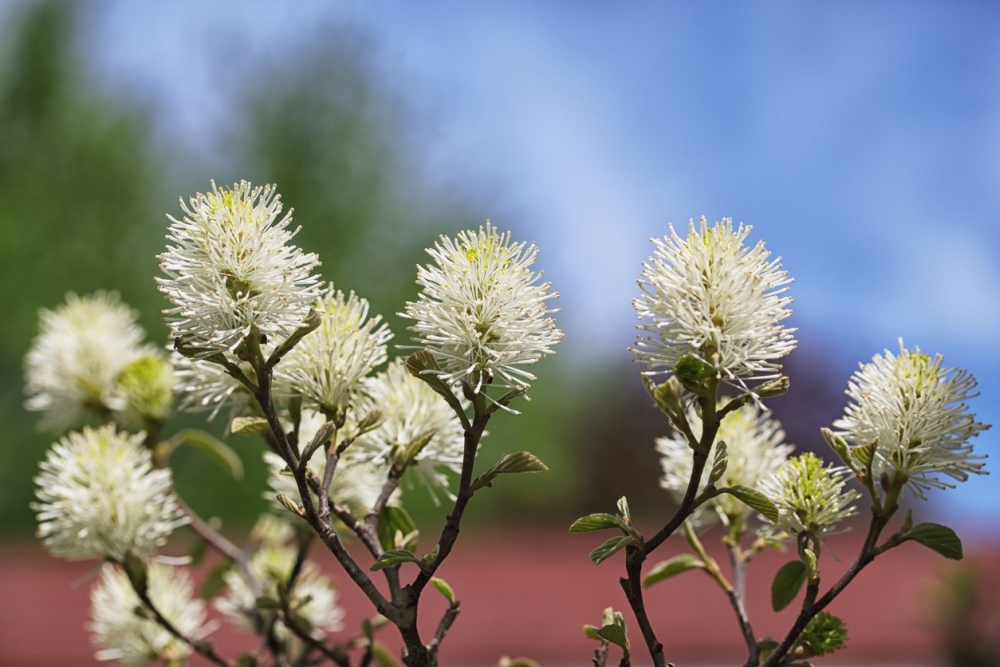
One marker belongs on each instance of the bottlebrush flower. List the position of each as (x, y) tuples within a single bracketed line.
[(481, 312), (916, 409), (413, 412), (99, 497), (755, 449), (810, 496), (232, 271), (713, 298), (134, 639), (74, 362), (326, 365), (147, 388), (313, 597)]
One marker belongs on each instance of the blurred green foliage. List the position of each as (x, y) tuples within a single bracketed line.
[(82, 186)]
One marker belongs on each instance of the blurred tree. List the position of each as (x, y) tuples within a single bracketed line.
[(75, 187)]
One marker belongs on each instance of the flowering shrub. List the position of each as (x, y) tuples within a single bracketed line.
[(257, 336)]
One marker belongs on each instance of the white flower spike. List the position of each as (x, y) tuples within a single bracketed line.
[(99, 497), (810, 496), (124, 635), (756, 450), (231, 270), (326, 365), (413, 411), (481, 312), (74, 362), (713, 298), (917, 410)]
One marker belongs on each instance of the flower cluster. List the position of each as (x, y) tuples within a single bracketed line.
[(313, 597), (481, 312), (755, 450), (915, 408), (325, 366), (99, 497), (414, 413), (75, 361), (232, 271), (710, 297), (809, 496), (147, 387), (135, 639)]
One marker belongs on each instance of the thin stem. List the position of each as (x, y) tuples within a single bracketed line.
[(811, 606), (204, 648), (449, 617), (737, 598)]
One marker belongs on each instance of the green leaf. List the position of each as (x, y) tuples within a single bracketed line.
[(431, 558), (839, 446), (206, 443), (592, 632), (865, 453), (614, 634), (787, 583), (367, 630), (753, 499), (595, 522), (394, 557), (721, 462), (907, 521), (215, 582), (444, 588), (776, 387), (249, 426), (382, 656), (609, 549), (509, 463), (623, 509), (393, 520), (422, 365), (672, 567), (312, 321), (941, 539)]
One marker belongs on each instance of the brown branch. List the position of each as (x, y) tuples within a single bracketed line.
[(449, 617), (737, 598), (202, 647), (811, 606)]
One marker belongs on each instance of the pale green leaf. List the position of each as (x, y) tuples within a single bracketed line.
[(671, 568), (787, 583)]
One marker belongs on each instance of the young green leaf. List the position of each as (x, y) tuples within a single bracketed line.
[(249, 426), (753, 499), (941, 539), (422, 365), (671, 568), (394, 557), (787, 583), (208, 444), (609, 549), (509, 463), (382, 656), (623, 509), (391, 520), (720, 463), (444, 588), (595, 522), (865, 453)]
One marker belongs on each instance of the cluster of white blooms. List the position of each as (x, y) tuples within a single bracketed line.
[(232, 270), (325, 366), (313, 597), (713, 298), (916, 409), (205, 386), (481, 313), (413, 412), (99, 497), (355, 484), (755, 449), (809, 496), (124, 633), (74, 362)]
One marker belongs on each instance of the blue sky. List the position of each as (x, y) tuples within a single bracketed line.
[(861, 140)]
